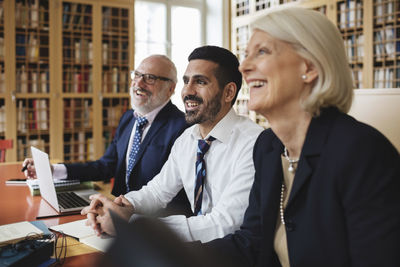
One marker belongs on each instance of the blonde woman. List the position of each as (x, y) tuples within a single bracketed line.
[(327, 187)]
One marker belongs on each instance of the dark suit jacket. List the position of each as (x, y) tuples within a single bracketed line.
[(344, 207), (154, 151)]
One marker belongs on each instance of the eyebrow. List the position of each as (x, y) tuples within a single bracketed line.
[(197, 76)]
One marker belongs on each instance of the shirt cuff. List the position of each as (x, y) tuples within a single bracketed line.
[(59, 171)]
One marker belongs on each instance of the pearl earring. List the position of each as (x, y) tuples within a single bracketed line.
[(304, 76)]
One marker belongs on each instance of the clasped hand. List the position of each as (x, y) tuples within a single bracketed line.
[(98, 213)]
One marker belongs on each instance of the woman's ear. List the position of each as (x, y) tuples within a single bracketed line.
[(311, 73)]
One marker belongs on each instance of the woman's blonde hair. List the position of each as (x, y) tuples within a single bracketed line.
[(317, 40)]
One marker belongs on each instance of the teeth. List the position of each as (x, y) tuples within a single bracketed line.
[(140, 92), (256, 84), (192, 104)]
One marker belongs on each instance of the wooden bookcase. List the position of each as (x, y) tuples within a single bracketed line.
[(64, 75), (370, 29), (2, 75)]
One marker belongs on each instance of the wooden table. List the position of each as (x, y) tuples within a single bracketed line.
[(17, 204)]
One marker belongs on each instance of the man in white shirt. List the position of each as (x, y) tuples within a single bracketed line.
[(211, 85)]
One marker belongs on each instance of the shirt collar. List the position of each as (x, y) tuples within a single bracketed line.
[(221, 130), (152, 114)]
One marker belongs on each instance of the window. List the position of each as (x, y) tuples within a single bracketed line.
[(174, 28)]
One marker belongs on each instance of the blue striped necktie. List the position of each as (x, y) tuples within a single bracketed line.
[(140, 123), (202, 148)]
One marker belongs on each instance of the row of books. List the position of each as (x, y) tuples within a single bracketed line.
[(1, 47), (78, 147), (78, 113), (241, 107), (1, 14), (76, 16), (80, 52), (31, 14), (115, 52), (2, 119), (112, 115), (242, 37), (350, 14), (354, 45), (76, 81), (242, 7), (2, 80), (387, 78), (387, 42), (115, 19), (385, 10), (116, 81), (33, 114), (357, 78), (31, 47), (32, 81), (24, 144)]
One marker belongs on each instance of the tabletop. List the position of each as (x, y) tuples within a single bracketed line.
[(17, 204)]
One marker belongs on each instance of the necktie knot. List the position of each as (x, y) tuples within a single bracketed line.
[(203, 146), (141, 122)]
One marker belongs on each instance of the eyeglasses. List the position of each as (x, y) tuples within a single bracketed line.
[(147, 78)]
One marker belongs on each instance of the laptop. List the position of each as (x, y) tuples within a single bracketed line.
[(64, 202)]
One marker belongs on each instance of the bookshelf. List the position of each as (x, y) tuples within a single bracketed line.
[(115, 68), (63, 66), (32, 75), (370, 30), (2, 78)]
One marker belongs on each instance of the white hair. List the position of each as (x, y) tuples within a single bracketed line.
[(317, 40)]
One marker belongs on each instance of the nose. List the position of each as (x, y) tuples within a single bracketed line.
[(246, 65), (188, 89)]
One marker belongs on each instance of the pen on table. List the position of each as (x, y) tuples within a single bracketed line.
[(25, 167)]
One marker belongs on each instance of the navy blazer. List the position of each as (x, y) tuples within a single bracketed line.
[(344, 207), (154, 151)]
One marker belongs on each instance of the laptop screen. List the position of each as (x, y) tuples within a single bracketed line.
[(45, 177)]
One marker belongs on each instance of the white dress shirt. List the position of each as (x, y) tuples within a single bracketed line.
[(60, 170), (230, 175)]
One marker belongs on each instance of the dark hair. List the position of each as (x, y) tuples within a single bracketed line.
[(228, 65)]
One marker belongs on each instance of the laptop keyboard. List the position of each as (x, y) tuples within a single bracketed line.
[(68, 200)]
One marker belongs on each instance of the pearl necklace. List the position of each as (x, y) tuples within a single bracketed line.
[(291, 169), (291, 161), (281, 205)]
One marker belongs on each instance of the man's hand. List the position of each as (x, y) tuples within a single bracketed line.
[(29, 166), (98, 213)]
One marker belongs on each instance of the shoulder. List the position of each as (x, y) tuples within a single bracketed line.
[(350, 133), (245, 127), (173, 116)]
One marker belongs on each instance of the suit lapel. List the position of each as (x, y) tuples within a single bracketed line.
[(158, 122), (317, 133), (272, 177), (125, 136)]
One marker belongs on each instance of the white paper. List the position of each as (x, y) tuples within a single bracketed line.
[(76, 229), (85, 234), (16, 231), (98, 242)]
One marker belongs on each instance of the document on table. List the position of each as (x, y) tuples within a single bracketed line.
[(11, 233), (85, 234)]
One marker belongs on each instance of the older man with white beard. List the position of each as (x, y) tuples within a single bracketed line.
[(138, 150)]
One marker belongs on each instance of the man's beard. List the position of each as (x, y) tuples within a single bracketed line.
[(152, 102), (209, 113)]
